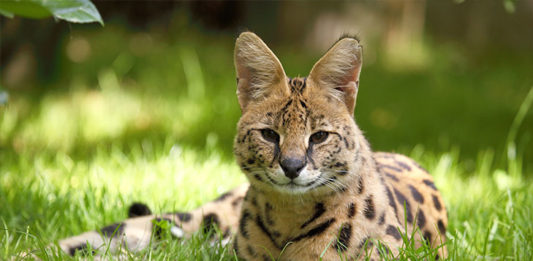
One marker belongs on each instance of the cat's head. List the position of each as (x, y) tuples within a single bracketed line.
[(297, 135)]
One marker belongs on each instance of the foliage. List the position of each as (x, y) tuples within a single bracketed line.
[(75, 11)]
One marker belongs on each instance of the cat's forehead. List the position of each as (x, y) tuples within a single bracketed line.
[(300, 109), (297, 85)]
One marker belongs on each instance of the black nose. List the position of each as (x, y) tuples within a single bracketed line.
[(292, 167)]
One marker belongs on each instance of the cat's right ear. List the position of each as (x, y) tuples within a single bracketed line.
[(259, 72)]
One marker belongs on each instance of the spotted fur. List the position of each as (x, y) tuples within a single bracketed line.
[(316, 189)]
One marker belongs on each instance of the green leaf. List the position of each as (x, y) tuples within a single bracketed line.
[(75, 11)]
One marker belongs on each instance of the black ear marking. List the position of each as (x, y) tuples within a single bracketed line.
[(138, 209)]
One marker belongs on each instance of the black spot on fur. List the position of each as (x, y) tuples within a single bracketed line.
[(370, 211), (261, 225), (286, 106), (421, 218), (366, 242), (256, 176), (416, 194), (183, 216), (436, 202), (441, 226), (403, 165), (383, 252), (430, 184), (381, 219), (351, 210), (403, 202), (223, 196), (113, 230), (346, 144), (303, 104), (393, 231), (384, 166), (236, 247), (392, 176), (343, 241), (209, 222), (392, 203), (428, 236), (319, 229), (268, 217), (83, 248), (360, 185), (340, 164), (237, 201), (251, 251), (254, 201), (138, 209), (319, 210)]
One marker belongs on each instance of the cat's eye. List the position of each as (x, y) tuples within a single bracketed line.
[(318, 137), (270, 135)]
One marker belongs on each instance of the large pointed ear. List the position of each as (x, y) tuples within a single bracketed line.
[(259, 72), (337, 72)]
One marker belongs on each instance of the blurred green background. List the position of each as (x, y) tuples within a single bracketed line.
[(440, 75)]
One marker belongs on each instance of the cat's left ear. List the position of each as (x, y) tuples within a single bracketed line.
[(337, 72), (259, 72)]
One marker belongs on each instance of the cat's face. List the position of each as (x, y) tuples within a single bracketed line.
[(297, 135)]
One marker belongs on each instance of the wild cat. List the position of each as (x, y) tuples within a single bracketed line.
[(316, 189)]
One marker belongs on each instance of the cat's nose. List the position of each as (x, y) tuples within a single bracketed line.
[(292, 167)]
